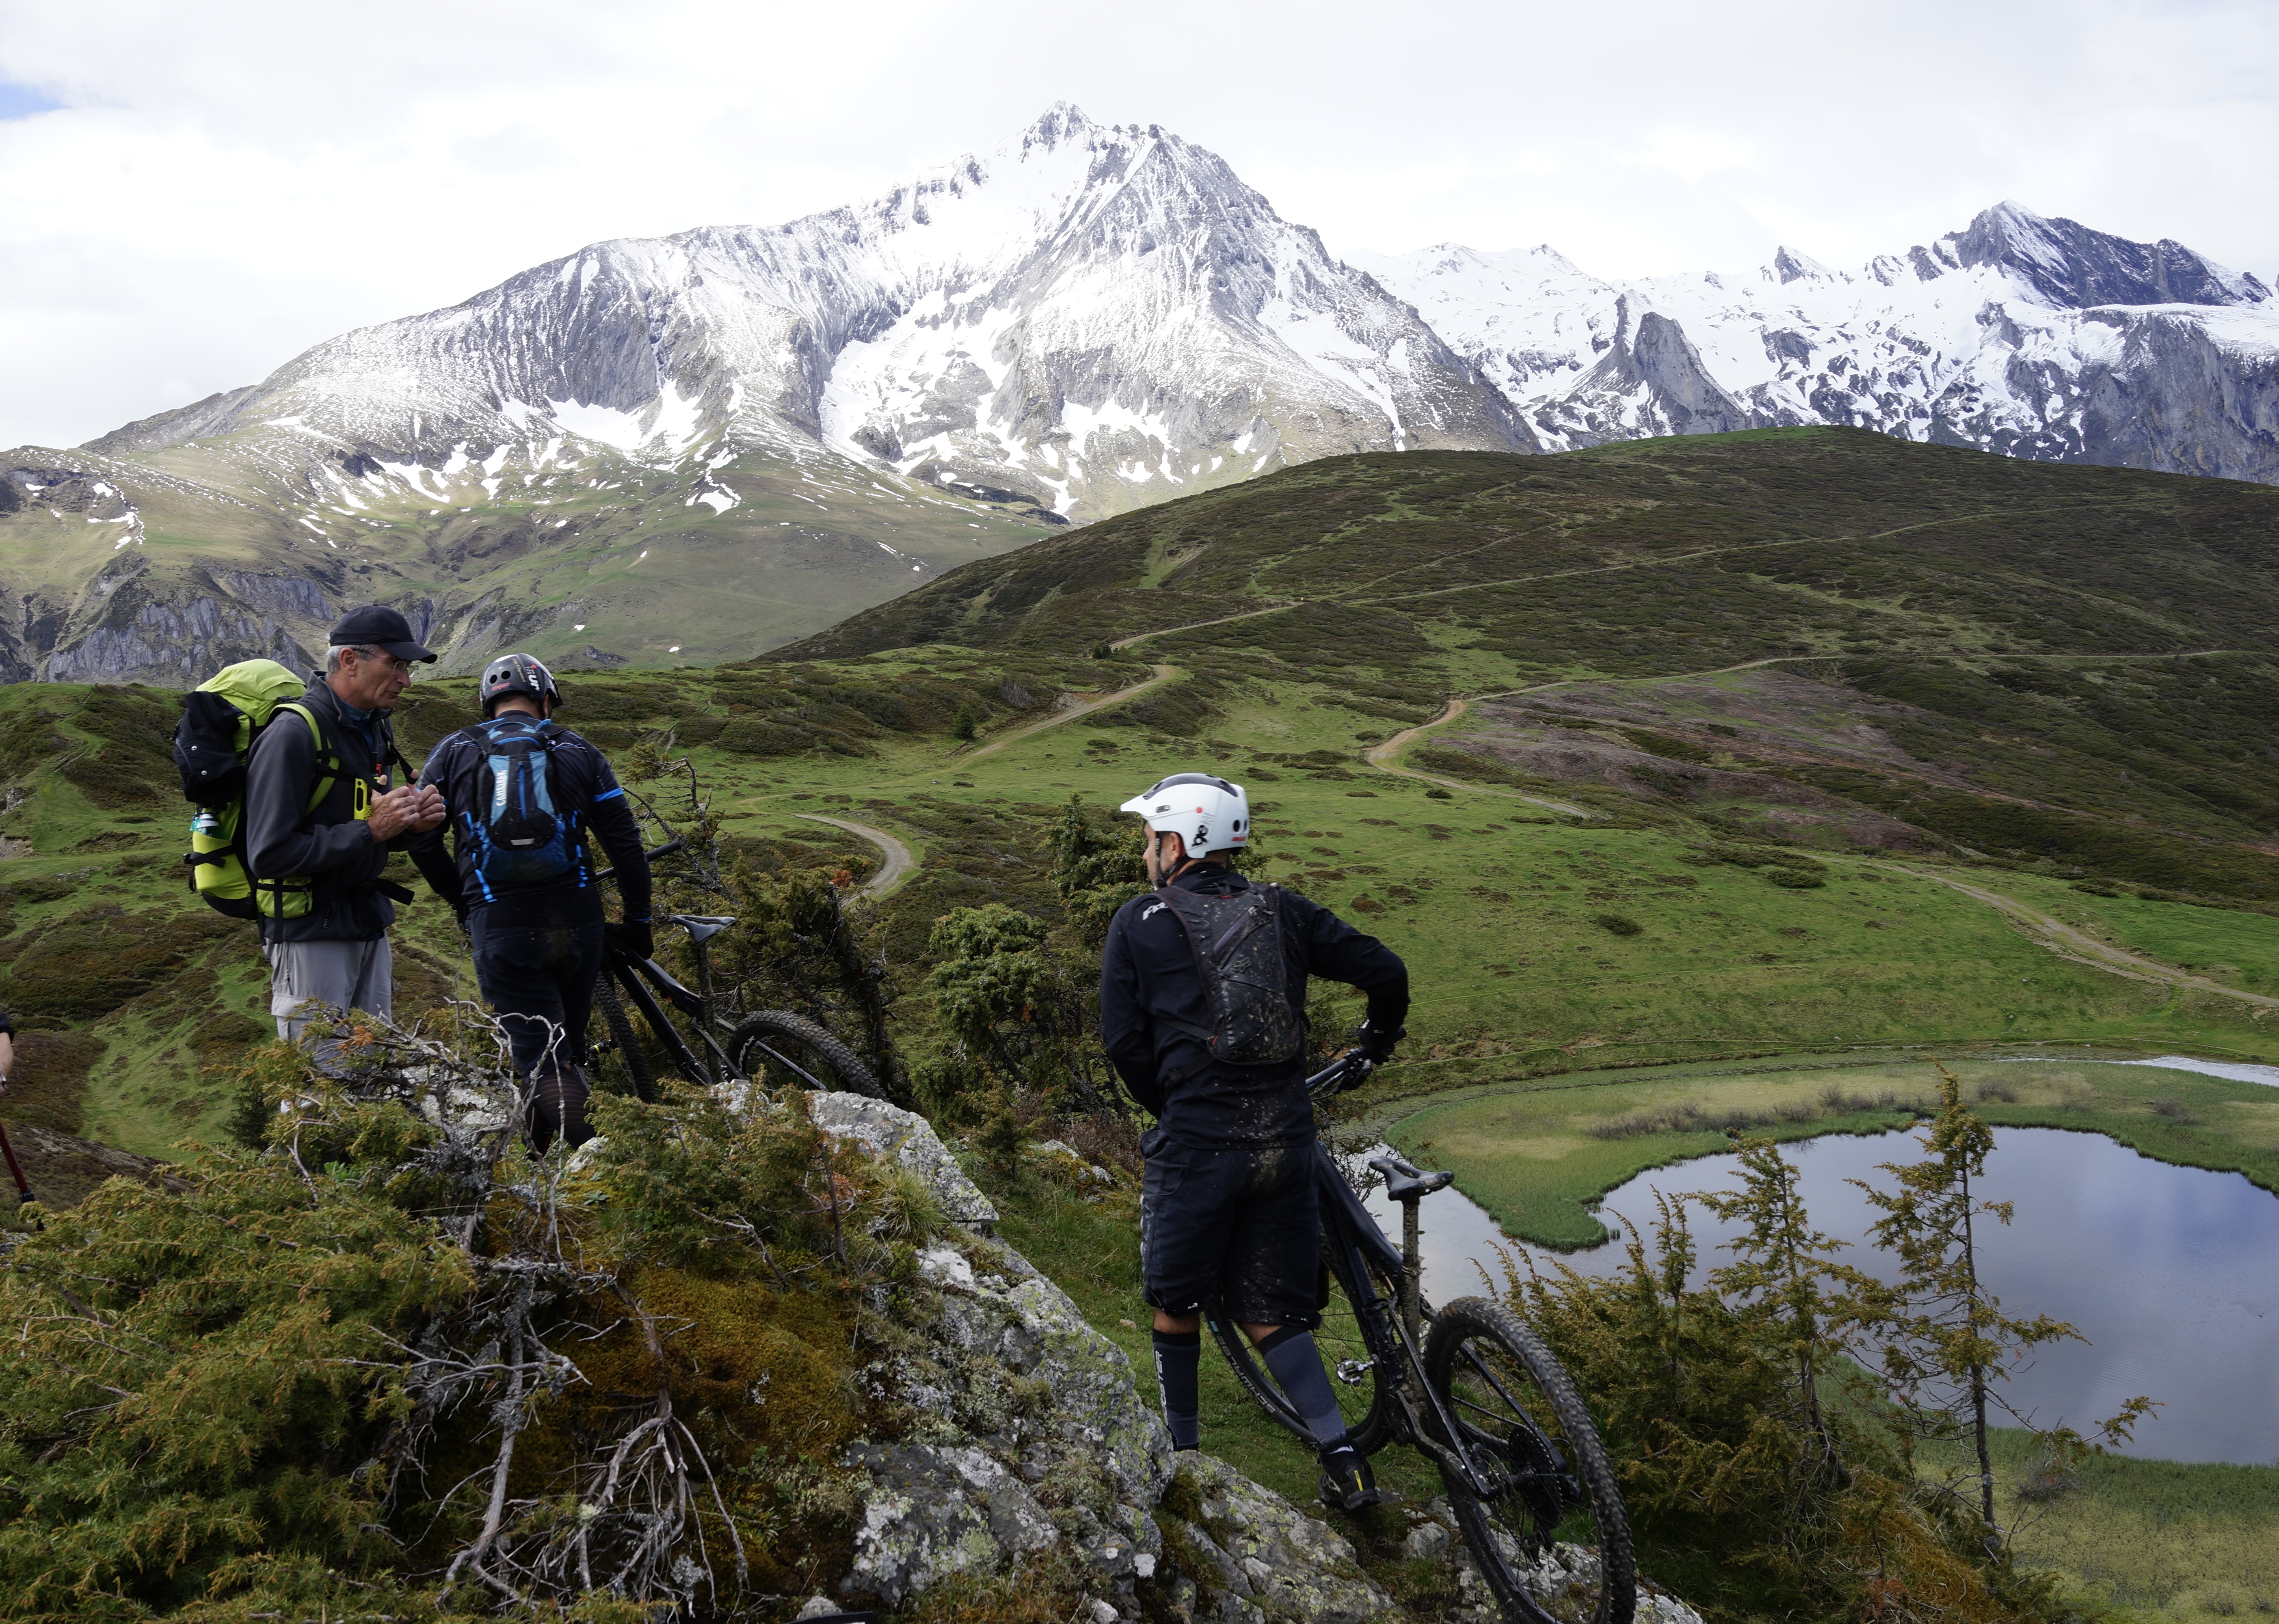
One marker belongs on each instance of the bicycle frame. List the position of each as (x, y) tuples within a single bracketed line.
[(1394, 1331), (634, 977)]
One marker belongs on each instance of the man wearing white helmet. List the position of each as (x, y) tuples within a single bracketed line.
[(1202, 1000)]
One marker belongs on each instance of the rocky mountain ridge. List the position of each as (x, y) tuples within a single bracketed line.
[(802, 420), (2031, 337)]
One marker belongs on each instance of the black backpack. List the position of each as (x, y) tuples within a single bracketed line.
[(1238, 942)]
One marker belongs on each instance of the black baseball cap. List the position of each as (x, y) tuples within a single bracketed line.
[(377, 626)]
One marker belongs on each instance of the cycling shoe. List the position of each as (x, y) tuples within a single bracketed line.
[(1347, 1484)]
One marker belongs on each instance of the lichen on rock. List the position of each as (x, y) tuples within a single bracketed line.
[(889, 1130), (1242, 1552)]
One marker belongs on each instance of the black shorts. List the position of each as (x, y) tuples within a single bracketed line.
[(1231, 1230)]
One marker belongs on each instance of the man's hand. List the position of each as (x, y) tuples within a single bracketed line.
[(633, 937), (7, 1059), (394, 813), (1376, 1046), (431, 811)]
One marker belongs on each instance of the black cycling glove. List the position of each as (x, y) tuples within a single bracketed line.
[(1376, 1046), (634, 939)]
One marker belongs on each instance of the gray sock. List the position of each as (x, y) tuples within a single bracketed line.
[(1297, 1368)]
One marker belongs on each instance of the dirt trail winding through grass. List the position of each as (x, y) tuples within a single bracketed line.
[(1380, 756), (2063, 939), (1163, 674), (899, 862), (2067, 942), (1196, 625)]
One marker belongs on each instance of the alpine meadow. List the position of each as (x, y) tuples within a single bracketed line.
[(1715, 787)]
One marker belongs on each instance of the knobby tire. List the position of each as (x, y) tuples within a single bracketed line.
[(762, 1042), (630, 1060), (1520, 1421)]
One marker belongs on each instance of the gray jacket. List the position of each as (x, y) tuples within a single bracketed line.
[(331, 846)]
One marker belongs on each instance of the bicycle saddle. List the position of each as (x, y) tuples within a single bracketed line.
[(702, 927), (1405, 1184)]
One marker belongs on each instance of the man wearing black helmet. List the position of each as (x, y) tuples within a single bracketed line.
[(1202, 1001), (522, 791), (321, 819)]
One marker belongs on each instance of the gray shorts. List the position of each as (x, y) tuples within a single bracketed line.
[(303, 976)]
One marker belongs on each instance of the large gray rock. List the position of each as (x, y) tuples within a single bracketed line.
[(935, 1512), (908, 1138), (1247, 1554), (1027, 1431), (1004, 1311)]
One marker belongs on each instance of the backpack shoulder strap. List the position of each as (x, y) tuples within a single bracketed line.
[(329, 767), (1193, 929)]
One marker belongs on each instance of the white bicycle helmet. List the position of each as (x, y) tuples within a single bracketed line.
[(1208, 813)]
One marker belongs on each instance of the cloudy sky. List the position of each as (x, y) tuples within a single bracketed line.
[(190, 195)]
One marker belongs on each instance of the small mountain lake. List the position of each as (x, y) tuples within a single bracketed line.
[(2172, 1273)]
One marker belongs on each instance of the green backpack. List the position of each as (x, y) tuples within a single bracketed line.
[(221, 718)]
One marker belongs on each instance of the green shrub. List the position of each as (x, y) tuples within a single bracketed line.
[(1618, 924)]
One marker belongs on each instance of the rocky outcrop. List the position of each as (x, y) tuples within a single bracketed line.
[(889, 1130), (1651, 380), (1242, 1554), (138, 634), (1033, 1438)]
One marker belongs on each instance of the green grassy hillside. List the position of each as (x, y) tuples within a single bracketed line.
[(1776, 764), (2049, 837), (589, 558)]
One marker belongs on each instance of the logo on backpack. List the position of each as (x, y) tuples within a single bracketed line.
[(521, 838), (221, 718)]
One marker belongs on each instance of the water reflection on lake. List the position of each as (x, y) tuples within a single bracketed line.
[(2172, 1272)]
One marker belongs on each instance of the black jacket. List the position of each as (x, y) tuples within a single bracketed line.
[(1149, 978), (585, 790), (331, 845)]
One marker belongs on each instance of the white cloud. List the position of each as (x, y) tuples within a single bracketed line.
[(225, 185)]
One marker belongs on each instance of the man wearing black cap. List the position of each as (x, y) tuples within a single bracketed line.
[(321, 818)]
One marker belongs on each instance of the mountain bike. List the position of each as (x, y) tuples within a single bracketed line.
[(771, 1048), (1471, 1387)]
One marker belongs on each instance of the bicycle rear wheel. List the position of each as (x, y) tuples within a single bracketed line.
[(1540, 1508), (1357, 1374), (777, 1050), (618, 1061)]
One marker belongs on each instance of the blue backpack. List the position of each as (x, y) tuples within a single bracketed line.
[(521, 838)]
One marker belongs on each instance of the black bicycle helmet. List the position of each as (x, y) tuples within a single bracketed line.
[(517, 673)]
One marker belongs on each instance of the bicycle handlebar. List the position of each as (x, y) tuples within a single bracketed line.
[(1331, 1079), (666, 850)]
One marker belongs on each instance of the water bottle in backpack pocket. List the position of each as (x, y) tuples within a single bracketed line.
[(521, 836)]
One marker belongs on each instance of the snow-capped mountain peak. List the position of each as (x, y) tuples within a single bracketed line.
[(2072, 267), (1086, 317), (2021, 334)]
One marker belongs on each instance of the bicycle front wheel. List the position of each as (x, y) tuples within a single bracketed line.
[(1538, 1506), (1350, 1353), (778, 1050)]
